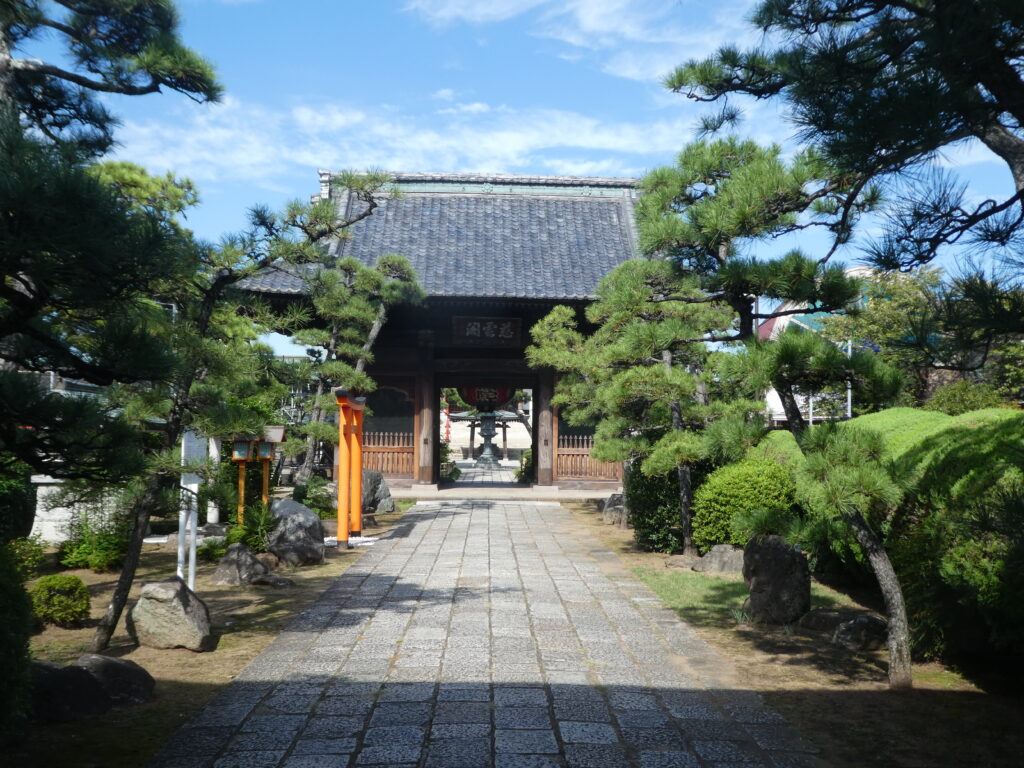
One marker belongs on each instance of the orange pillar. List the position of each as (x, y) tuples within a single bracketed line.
[(266, 481), (344, 467), (356, 455), (242, 465)]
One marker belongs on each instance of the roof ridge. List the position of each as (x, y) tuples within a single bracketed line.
[(507, 178)]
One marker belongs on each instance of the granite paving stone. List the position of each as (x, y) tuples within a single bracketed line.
[(491, 635)]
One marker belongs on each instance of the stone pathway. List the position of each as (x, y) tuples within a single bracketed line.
[(486, 634), (471, 475)]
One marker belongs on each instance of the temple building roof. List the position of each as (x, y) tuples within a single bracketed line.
[(489, 236)]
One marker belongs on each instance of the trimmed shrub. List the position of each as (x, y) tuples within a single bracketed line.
[(60, 599), (15, 629), (901, 428), (963, 396), (653, 504), (779, 446), (27, 555), (211, 551), (742, 487)]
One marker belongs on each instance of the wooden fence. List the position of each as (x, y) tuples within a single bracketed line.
[(572, 461), (390, 453)]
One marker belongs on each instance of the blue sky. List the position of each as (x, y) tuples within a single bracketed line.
[(509, 86)]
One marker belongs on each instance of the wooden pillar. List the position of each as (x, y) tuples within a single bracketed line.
[(344, 467), (504, 440), (356, 473), (545, 449), (554, 444), (472, 438), (427, 424)]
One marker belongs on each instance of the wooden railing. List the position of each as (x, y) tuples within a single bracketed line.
[(390, 453), (572, 460)]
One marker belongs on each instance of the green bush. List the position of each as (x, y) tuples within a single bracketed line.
[(317, 495), (212, 551), (27, 555), (653, 504), (450, 471), (257, 523), (525, 473), (60, 599), (15, 629), (98, 539), (963, 396), (742, 487)]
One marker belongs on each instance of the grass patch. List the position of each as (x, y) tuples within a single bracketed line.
[(717, 601)]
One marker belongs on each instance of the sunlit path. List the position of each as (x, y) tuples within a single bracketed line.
[(486, 634)]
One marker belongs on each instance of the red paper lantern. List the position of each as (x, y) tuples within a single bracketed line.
[(486, 398)]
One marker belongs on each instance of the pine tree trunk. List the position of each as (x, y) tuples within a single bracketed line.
[(795, 421), (306, 470), (900, 669), (140, 516)]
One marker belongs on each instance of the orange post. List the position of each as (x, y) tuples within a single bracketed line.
[(344, 468), (266, 482), (356, 454), (241, 490)]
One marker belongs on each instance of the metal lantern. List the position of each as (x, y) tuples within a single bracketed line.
[(264, 450)]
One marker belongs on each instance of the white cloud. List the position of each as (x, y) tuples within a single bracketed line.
[(474, 108), (444, 94), (238, 141), (472, 11), (635, 39)]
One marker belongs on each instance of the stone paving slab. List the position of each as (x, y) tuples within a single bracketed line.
[(486, 634)]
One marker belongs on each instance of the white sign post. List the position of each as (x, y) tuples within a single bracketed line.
[(193, 449)]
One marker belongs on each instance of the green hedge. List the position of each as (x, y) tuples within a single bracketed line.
[(779, 446), (653, 504), (743, 487), (960, 550), (962, 397)]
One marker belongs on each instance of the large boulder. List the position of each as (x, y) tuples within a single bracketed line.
[(778, 579), (64, 693), (613, 510), (298, 537), (376, 496), (238, 566), (124, 681), (721, 558), (170, 615), (863, 633)]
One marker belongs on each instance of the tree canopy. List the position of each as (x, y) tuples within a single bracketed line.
[(128, 47), (880, 87)]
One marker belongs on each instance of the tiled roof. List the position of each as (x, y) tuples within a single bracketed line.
[(544, 237)]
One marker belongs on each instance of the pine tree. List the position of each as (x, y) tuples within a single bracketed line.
[(348, 306), (726, 194), (128, 47), (209, 331), (637, 374), (802, 362), (879, 87)]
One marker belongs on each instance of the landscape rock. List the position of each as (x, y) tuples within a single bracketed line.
[(270, 560), (62, 693), (124, 681), (376, 496), (613, 510), (298, 537), (170, 615), (686, 562), (779, 581), (238, 566), (863, 633), (271, 580), (721, 558)]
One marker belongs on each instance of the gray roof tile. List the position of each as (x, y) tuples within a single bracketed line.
[(523, 237)]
